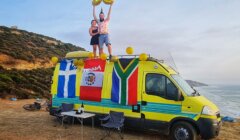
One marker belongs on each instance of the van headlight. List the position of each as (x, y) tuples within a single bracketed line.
[(207, 111)]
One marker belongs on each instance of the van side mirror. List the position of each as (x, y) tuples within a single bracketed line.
[(179, 96), (175, 94)]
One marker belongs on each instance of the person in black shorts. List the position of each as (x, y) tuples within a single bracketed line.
[(93, 31)]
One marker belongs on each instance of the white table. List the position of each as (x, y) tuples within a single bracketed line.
[(80, 117)]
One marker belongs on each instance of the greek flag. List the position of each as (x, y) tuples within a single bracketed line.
[(66, 79)]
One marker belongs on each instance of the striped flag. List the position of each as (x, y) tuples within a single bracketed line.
[(66, 79), (92, 80), (124, 81)]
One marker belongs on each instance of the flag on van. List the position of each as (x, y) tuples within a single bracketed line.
[(92, 80), (124, 81), (66, 79)]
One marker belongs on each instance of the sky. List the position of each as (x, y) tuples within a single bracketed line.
[(201, 36)]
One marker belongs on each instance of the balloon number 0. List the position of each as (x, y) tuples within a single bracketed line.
[(97, 2)]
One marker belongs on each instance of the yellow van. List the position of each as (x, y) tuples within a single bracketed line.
[(151, 94)]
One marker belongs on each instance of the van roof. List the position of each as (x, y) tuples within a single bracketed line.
[(85, 54), (77, 54), (167, 67)]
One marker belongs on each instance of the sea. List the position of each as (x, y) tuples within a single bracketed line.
[(226, 97)]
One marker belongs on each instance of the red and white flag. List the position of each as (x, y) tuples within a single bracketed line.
[(92, 80)]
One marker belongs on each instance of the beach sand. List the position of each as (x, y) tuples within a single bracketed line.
[(19, 124)]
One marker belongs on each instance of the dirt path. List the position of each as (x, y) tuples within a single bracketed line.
[(18, 124)]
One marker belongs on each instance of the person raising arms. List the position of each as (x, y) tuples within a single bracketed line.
[(103, 30)]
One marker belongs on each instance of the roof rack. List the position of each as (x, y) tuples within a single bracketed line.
[(121, 56), (75, 58), (156, 60), (130, 56)]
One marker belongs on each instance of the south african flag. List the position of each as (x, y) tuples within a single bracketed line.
[(124, 81)]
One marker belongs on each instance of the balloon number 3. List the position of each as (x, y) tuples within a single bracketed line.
[(96, 2)]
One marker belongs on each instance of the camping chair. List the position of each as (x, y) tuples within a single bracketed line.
[(63, 108), (115, 120)]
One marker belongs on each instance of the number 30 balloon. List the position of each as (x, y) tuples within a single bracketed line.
[(96, 2), (108, 1)]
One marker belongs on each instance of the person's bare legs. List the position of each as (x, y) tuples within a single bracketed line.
[(94, 50), (109, 49), (100, 51)]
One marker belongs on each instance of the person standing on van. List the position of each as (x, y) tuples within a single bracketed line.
[(103, 30), (93, 31)]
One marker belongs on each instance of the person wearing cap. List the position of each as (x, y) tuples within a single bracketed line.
[(103, 30)]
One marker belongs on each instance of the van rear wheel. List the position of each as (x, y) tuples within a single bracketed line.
[(183, 131)]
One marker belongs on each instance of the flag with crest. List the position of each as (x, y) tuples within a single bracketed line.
[(92, 80)]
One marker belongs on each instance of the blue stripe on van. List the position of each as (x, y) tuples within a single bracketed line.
[(151, 107), (76, 100)]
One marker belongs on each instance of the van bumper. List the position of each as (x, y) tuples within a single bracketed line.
[(209, 128)]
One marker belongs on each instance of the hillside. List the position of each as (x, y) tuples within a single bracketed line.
[(26, 50), (195, 83), (25, 68), (25, 84)]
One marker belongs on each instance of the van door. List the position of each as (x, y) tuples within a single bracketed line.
[(107, 104), (159, 103)]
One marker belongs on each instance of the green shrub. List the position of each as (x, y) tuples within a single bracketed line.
[(4, 77)]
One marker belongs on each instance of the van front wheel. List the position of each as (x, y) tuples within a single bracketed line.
[(183, 131)]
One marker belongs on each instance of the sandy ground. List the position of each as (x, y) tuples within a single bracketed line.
[(19, 124)]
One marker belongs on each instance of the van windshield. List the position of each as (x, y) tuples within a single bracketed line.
[(184, 85)]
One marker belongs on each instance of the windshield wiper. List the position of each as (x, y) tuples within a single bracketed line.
[(195, 92)]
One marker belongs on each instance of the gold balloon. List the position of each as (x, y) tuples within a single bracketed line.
[(108, 2), (114, 59), (91, 55), (129, 50), (80, 62), (143, 57), (54, 60), (75, 62), (96, 2), (103, 56)]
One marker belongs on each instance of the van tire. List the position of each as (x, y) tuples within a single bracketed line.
[(183, 131)]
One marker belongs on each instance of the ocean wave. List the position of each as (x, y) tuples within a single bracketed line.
[(225, 97)]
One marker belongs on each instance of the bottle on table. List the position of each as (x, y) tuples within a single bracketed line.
[(82, 108)]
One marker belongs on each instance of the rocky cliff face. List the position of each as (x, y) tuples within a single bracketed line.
[(195, 83)]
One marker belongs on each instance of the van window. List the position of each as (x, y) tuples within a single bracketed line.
[(160, 85), (172, 91), (183, 84), (155, 84)]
